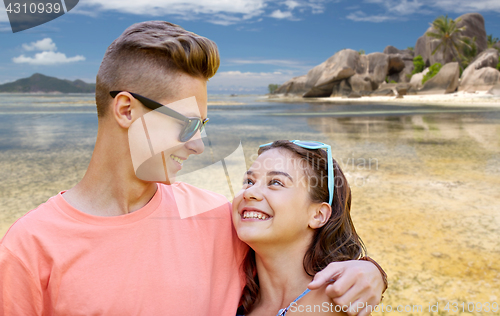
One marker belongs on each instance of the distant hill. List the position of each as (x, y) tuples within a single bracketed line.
[(42, 83)]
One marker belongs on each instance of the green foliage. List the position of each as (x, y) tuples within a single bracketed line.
[(392, 81), (492, 40), (411, 48), (469, 51), (273, 87), (498, 65), (418, 65), (449, 36), (361, 52), (433, 70)]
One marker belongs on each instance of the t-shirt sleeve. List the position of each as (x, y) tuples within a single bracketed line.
[(19, 294)]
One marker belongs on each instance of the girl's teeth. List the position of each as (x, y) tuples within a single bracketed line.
[(255, 215)]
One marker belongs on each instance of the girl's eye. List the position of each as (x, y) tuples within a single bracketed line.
[(247, 182), (275, 182)]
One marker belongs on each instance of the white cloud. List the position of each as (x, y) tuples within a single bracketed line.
[(47, 58), (360, 16), (281, 15), (291, 4), (186, 8), (45, 44), (465, 6), (222, 12), (400, 9)]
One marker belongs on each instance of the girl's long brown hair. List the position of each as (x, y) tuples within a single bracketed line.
[(337, 240)]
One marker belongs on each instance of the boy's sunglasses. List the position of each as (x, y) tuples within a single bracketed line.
[(192, 124), (318, 145)]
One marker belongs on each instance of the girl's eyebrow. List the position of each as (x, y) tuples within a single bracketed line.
[(273, 173), (280, 173)]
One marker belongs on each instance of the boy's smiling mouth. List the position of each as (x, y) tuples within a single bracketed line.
[(177, 159)]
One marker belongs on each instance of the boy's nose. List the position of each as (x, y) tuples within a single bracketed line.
[(195, 145)]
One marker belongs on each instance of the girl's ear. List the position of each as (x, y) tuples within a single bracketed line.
[(320, 214)]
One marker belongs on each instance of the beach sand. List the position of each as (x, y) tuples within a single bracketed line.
[(480, 98)]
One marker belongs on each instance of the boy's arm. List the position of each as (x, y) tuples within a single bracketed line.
[(19, 294), (358, 284)]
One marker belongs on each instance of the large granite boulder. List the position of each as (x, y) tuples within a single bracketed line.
[(446, 80), (322, 78), (393, 50), (482, 79), (370, 73), (396, 64), (474, 27), (361, 83), (391, 89), (296, 86), (405, 67), (497, 45), (341, 89), (400, 64), (488, 58), (495, 90), (378, 66), (416, 79)]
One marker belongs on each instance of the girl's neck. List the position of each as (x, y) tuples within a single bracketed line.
[(281, 276)]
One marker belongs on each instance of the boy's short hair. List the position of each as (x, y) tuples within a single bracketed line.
[(146, 57)]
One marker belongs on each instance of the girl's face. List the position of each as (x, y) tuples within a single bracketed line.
[(274, 204)]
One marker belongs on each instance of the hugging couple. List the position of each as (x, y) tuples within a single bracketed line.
[(120, 243)]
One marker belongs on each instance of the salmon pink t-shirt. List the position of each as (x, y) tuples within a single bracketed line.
[(56, 260)]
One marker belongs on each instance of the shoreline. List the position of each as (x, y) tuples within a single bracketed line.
[(452, 99)]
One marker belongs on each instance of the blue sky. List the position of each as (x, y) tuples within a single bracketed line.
[(260, 41)]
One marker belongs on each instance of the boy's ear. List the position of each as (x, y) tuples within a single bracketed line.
[(320, 214), (123, 108)]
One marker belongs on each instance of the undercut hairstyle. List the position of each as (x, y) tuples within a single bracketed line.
[(146, 58), (337, 240)]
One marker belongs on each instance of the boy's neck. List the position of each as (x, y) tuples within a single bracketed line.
[(110, 187)]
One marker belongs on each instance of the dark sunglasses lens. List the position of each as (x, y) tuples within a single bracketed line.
[(189, 131)]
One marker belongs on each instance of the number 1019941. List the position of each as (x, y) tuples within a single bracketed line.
[(34, 8)]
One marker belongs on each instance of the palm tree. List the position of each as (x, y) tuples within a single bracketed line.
[(492, 41), (469, 51), (449, 35)]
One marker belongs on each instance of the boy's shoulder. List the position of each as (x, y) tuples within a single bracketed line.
[(191, 200), (31, 224), (193, 191)]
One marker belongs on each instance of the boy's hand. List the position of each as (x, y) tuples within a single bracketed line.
[(356, 284)]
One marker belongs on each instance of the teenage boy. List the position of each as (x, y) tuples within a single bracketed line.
[(116, 243)]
